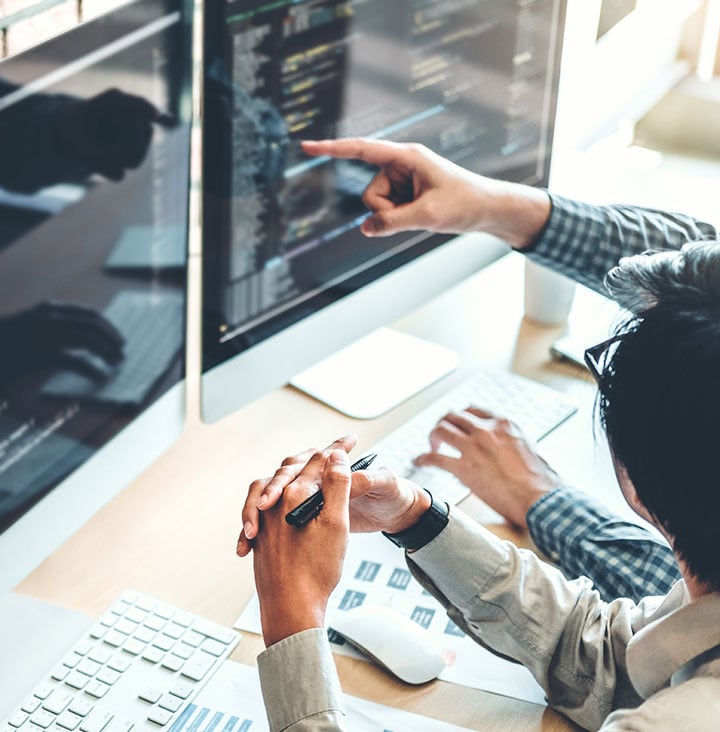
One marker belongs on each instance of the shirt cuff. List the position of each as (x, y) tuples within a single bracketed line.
[(299, 679), (453, 556)]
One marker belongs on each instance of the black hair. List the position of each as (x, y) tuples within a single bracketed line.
[(659, 396)]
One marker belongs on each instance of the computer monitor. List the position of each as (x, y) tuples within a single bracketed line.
[(288, 277), (94, 186)]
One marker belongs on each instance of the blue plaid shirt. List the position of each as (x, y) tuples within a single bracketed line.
[(583, 537)]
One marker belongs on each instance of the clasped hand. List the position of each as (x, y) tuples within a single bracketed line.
[(296, 568)]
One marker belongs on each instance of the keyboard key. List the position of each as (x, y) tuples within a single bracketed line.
[(121, 607), (153, 655), (150, 695), (98, 631), (72, 660), (163, 642), (125, 626), (31, 705), (121, 725), (213, 647), (192, 638), (197, 666), (216, 632), (57, 701), (119, 664), (134, 646), (68, 720), (43, 691), (136, 615), (81, 707), (60, 673), (164, 611), (100, 655), (174, 630), (159, 716), (96, 721), (170, 702), (88, 667), (107, 676), (109, 619), (114, 638), (17, 719), (154, 622), (172, 662), (97, 689), (184, 651), (42, 718), (76, 680), (83, 648), (182, 690), (144, 634), (184, 619)]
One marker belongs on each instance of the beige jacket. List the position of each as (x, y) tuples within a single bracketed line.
[(611, 666)]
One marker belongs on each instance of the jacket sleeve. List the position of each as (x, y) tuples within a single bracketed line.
[(584, 242), (516, 605), (300, 686)]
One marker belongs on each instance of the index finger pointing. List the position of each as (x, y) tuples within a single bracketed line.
[(375, 152)]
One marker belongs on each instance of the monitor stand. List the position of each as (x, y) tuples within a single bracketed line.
[(376, 373)]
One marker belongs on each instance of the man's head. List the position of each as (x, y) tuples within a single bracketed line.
[(660, 395)]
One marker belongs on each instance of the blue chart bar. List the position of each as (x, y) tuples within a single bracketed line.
[(192, 717), (367, 571)]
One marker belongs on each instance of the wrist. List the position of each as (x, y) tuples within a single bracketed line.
[(283, 620), (517, 213), (421, 502)]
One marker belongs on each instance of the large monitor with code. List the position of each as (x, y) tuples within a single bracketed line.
[(288, 276), (94, 181)]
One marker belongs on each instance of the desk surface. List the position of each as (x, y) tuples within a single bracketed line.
[(172, 532)]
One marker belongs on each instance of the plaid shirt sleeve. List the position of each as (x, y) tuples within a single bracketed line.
[(584, 242), (584, 538)]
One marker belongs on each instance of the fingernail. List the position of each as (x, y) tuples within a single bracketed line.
[(248, 529), (262, 502)]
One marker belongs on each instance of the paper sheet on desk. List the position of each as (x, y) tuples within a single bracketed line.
[(375, 573), (232, 702)]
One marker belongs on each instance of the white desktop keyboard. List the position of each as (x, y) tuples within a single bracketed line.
[(137, 668), (535, 408)]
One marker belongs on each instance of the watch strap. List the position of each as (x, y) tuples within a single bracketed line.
[(428, 526)]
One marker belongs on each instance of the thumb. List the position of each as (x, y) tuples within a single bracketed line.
[(393, 220), (336, 482), (379, 481)]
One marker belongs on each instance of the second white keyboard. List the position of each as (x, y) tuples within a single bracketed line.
[(136, 669), (535, 408)]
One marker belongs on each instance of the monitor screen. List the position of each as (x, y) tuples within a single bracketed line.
[(94, 181), (475, 80)]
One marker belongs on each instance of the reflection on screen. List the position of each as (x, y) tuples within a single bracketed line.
[(473, 79), (94, 157)]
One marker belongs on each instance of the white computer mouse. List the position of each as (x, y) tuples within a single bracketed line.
[(395, 642)]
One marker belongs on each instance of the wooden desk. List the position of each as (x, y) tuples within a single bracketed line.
[(172, 532)]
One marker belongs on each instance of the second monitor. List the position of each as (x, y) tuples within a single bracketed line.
[(288, 277)]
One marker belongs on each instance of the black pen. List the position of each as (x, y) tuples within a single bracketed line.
[(312, 506)]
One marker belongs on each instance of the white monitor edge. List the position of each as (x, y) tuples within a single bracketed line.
[(31, 539), (278, 359)]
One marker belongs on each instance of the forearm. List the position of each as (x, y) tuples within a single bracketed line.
[(300, 685), (584, 241), (518, 606), (584, 538)]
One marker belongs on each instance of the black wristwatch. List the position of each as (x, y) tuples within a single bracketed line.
[(428, 526)]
